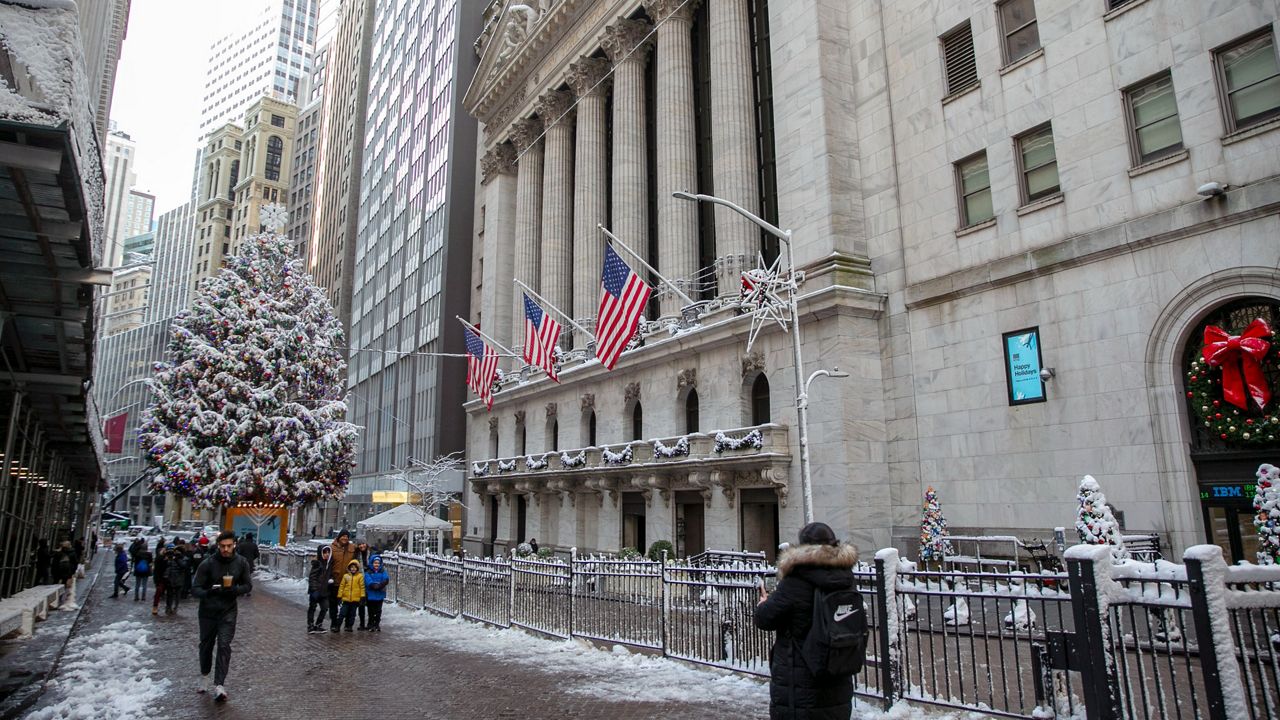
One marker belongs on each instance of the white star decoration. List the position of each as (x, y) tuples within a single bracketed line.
[(274, 217), (761, 295)]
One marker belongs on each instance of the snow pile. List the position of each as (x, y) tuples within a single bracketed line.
[(43, 39), (106, 674), (1266, 507), (1095, 523), (616, 675)]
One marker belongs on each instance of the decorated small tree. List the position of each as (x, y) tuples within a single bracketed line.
[(1095, 523), (1266, 507), (249, 404), (933, 529)]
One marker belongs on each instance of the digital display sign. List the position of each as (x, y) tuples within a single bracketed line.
[(1240, 491), (1022, 366)]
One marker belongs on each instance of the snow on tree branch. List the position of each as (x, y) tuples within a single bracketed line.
[(250, 406)]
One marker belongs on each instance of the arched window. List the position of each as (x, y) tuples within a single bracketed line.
[(275, 152), (591, 428), (760, 413), (520, 447), (553, 435), (691, 412), (637, 422)]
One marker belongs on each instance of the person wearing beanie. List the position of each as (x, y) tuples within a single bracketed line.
[(341, 553), (822, 562)]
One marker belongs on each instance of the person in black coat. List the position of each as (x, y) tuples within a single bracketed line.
[(819, 561), (44, 561)]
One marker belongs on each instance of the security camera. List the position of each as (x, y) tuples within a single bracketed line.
[(1211, 190), (1047, 374)]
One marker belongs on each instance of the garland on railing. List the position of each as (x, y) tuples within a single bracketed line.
[(679, 449), (753, 439), (531, 464), (506, 466), (612, 458), (572, 462), (479, 470)]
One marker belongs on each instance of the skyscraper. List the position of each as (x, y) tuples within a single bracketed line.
[(170, 281), (139, 213), (270, 54), (102, 27), (120, 179), (413, 245)]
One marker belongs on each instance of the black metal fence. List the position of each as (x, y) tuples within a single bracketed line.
[(1102, 640)]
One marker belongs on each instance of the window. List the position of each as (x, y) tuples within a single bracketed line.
[(1153, 119), (1038, 164), (637, 422), (520, 439), (1249, 78), (553, 435), (975, 190), (958, 60), (277, 120), (691, 412), (760, 412), (1018, 26), (1113, 4), (275, 152), (591, 428)]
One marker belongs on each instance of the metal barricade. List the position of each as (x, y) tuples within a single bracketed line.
[(443, 585), (618, 600), (487, 591), (1253, 602), (541, 596), (710, 616)]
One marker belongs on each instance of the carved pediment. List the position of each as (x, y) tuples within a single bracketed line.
[(687, 378), (588, 401), (632, 392), (519, 417), (552, 410), (752, 363)]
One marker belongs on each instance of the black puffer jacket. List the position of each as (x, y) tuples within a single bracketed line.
[(321, 571), (794, 693), (207, 585)]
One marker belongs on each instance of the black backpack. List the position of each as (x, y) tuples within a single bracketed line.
[(836, 645)]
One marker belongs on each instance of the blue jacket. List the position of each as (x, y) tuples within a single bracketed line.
[(122, 562), (375, 581)]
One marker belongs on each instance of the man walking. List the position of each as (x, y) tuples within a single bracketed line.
[(343, 553), (219, 581)]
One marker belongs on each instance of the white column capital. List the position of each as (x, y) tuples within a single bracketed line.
[(554, 107), (624, 36), (525, 133), (664, 10), (586, 76), (499, 160)]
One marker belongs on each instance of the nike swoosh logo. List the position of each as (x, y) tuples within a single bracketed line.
[(839, 617)]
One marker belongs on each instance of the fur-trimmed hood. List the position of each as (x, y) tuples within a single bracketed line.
[(843, 556)]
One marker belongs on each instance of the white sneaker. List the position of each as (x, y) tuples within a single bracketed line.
[(206, 684), (219, 693)]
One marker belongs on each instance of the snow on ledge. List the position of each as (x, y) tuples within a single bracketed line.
[(44, 4), (1096, 553)]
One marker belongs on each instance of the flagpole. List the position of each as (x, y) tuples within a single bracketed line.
[(688, 300), (479, 332), (559, 312)]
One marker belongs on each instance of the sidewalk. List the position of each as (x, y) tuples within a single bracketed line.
[(26, 663), (122, 661)]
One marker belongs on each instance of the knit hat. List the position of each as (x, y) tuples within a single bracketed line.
[(344, 532), (204, 540)]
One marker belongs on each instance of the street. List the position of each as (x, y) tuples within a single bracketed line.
[(125, 661)]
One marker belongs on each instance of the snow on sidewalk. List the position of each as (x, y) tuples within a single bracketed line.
[(107, 674)]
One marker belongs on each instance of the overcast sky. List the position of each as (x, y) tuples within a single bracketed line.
[(160, 83)]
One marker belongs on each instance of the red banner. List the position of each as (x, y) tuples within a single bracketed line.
[(114, 432)]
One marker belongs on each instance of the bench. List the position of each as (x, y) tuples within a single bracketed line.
[(18, 613)]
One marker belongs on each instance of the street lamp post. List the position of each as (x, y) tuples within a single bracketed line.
[(802, 386)]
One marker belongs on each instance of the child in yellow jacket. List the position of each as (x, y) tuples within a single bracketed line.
[(350, 594)]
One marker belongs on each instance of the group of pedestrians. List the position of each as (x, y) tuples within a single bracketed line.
[(57, 565), (346, 581), (171, 565)]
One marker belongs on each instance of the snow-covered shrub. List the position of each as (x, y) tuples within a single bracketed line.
[(660, 546), (1095, 523)]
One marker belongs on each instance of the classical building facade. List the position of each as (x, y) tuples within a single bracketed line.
[(962, 182)]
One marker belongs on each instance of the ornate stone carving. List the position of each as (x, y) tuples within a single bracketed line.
[(496, 123), (525, 132), (586, 75), (661, 10), (727, 482), (701, 481), (555, 107), (588, 401), (624, 36), (493, 424), (687, 378), (519, 417), (752, 363), (517, 25), (552, 410), (501, 160), (632, 392)]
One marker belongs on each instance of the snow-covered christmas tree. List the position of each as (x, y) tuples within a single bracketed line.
[(250, 402), (1095, 523), (933, 529), (1266, 507)]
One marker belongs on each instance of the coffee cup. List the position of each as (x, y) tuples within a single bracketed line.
[(226, 581)]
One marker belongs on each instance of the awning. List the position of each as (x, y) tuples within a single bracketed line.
[(405, 517)]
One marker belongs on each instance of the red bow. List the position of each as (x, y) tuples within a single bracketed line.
[(1233, 352)]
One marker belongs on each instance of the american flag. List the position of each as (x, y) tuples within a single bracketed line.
[(622, 299), (541, 333), (482, 365)]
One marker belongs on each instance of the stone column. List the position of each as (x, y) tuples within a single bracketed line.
[(526, 136), (630, 166), (733, 140), (590, 208), (556, 110), (498, 169), (677, 149)]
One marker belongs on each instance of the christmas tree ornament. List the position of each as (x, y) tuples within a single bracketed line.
[(1266, 498), (246, 411), (934, 544)]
